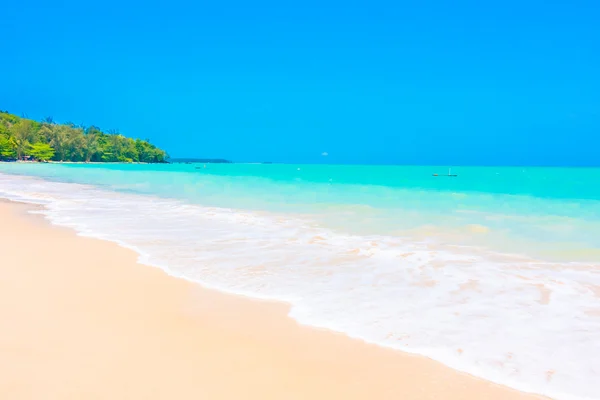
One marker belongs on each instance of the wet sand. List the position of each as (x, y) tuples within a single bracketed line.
[(81, 319)]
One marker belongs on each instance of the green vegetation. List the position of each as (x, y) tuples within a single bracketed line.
[(41, 151), (22, 138)]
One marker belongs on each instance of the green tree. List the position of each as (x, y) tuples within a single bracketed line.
[(20, 136), (75, 144), (23, 134), (8, 147), (59, 141), (41, 151), (91, 146)]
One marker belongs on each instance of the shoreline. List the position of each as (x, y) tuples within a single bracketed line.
[(79, 162), (179, 328)]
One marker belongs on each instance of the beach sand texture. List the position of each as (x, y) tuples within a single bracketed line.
[(81, 319)]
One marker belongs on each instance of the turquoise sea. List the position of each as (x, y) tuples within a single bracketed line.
[(495, 272)]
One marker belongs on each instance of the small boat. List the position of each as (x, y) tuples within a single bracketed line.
[(449, 173)]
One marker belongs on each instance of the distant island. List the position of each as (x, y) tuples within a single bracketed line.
[(199, 160), (26, 139)]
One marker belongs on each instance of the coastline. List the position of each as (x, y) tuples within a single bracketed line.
[(79, 162), (89, 321)]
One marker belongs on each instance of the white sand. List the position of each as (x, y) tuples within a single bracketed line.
[(81, 319)]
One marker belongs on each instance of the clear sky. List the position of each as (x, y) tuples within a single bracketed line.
[(406, 82)]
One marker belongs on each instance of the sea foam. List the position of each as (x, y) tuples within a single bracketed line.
[(528, 324)]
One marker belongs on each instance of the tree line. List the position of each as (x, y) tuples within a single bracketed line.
[(23, 138)]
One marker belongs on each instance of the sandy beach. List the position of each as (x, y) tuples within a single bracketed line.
[(83, 320)]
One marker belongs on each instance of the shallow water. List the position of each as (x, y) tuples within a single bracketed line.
[(495, 272)]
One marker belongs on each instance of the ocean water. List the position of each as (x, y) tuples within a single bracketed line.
[(495, 272)]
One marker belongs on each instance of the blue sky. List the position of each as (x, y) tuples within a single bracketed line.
[(423, 82)]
